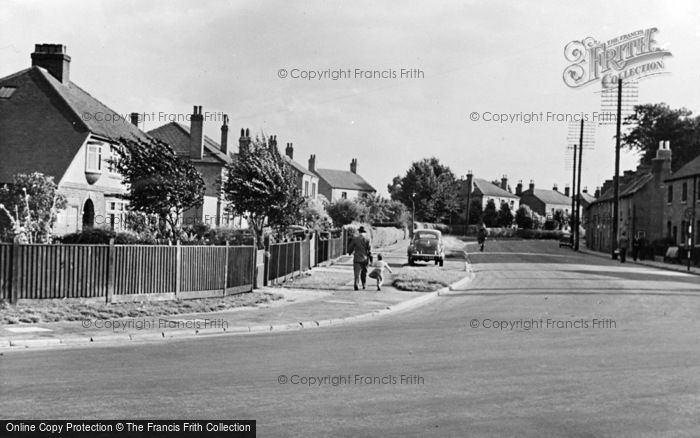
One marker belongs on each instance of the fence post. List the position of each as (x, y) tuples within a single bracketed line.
[(14, 282), (178, 263), (225, 270), (111, 271)]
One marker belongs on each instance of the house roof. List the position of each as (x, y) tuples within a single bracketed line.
[(487, 188), (178, 137), (628, 186), (551, 196), (45, 122), (299, 168), (344, 179), (691, 168), (587, 197)]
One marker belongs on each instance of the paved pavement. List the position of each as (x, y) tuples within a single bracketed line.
[(680, 267), (299, 309)]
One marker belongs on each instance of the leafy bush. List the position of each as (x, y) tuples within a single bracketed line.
[(524, 218), (97, 235), (344, 212)]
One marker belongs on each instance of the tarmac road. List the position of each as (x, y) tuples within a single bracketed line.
[(543, 343)]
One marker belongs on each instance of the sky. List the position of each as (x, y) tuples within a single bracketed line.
[(161, 58)]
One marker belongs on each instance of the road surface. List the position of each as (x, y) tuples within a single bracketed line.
[(544, 342)]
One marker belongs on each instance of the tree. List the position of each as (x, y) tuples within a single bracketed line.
[(345, 211), (652, 123), (561, 218), (505, 216), (476, 212), (314, 214), (260, 186), (524, 217), (160, 183), (29, 208), (433, 188), (490, 214), (382, 210)]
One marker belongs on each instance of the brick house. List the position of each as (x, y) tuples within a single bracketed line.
[(641, 208), (340, 184), (50, 125), (209, 158), (681, 199), (542, 201), (306, 180)]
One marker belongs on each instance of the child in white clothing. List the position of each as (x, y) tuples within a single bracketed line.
[(378, 271)]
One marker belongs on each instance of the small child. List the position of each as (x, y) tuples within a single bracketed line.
[(378, 271)]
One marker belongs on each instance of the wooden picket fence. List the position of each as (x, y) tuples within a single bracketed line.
[(124, 272)]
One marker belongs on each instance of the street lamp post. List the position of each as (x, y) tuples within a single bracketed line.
[(413, 212)]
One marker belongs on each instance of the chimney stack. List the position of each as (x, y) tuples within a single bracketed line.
[(504, 182), (597, 193), (244, 141), (567, 190), (353, 165), (224, 135), (272, 143), (470, 179), (197, 134), (289, 151), (519, 188), (585, 189), (555, 187), (312, 163), (135, 119), (661, 165), (532, 186), (53, 58)]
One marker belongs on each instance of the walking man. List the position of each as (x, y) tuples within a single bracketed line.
[(361, 250), (624, 245)]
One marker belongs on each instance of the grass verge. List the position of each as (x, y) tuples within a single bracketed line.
[(44, 311)]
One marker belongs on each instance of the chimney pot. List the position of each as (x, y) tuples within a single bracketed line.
[(243, 142), (224, 135), (567, 190), (353, 165), (312, 163), (196, 134), (135, 119), (53, 58)]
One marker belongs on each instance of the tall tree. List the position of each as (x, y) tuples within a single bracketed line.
[(345, 211), (505, 215), (652, 123), (490, 214), (433, 188), (29, 208), (260, 186), (160, 183)]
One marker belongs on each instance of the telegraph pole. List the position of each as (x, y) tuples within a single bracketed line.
[(572, 216), (578, 189), (616, 203)]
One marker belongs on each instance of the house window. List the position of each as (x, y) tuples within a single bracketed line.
[(94, 158), (116, 216), (344, 195), (313, 190), (684, 192), (113, 155), (670, 193), (306, 188)]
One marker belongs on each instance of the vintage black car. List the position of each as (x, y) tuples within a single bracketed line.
[(426, 245)]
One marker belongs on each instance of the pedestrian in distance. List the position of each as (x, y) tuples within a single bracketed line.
[(624, 245), (481, 237), (361, 250), (378, 271), (636, 245)]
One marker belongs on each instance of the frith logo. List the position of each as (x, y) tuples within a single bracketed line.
[(633, 55)]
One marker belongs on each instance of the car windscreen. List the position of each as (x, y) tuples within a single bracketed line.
[(426, 236)]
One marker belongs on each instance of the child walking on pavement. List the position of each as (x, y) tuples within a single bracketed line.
[(378, 271)]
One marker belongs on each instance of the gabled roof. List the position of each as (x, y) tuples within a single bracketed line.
[(45, 122), (487, 188), (178, 137), (299, 168), (691, 168), (344, 179), (628, 186), (587, 197), (550, 196)]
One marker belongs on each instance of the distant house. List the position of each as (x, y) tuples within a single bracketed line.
[(340, 184), (644, 195), (209, 158), (682, 193), (50, 125), (485, 191), (542, 201), (307, 181)]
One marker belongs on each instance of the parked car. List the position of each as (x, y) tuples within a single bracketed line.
[(426, 245)]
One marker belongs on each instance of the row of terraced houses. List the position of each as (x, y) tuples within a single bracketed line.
[(49, 124)]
